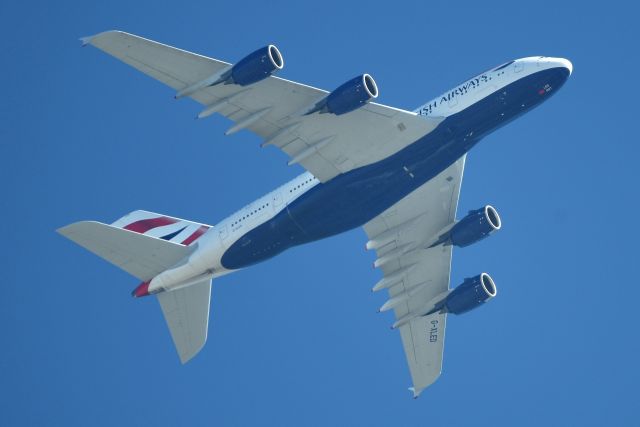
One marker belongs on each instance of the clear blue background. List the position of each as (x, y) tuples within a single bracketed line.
[(297, 340)]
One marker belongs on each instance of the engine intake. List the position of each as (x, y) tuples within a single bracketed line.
[(472, 293), (348, 97)]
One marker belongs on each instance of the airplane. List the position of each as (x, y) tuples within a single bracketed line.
[(396, 173)]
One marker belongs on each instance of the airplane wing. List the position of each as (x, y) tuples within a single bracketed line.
[(324, 144), (413, 273)]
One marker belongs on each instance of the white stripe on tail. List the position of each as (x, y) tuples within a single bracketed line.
[(164, 227)]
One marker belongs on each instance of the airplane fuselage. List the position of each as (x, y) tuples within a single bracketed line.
[(396, 173), (305, 210)]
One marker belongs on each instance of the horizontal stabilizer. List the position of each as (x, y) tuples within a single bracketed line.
[(139, 255), (186, 311)]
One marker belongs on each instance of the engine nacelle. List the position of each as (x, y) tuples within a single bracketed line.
[(474, 227), (251, 69), (348, 97), (256, 66), (472, 293)]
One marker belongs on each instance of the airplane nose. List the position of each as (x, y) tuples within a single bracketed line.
[(565, 63)]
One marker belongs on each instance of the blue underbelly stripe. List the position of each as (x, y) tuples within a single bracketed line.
[(352, 199)]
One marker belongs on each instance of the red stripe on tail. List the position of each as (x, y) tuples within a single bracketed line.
[(142, 290), (199, 232), (145, 225)]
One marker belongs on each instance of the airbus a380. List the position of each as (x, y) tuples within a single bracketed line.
[(396, 173)]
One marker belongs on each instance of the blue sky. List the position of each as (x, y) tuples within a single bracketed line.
[(297, 340)]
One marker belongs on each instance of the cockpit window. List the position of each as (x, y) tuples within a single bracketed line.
[(504, 66)]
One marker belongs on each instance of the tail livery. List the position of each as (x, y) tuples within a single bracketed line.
[(163, 227)]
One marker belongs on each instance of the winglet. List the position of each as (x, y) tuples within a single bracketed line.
[(416, 393), (86, 40)]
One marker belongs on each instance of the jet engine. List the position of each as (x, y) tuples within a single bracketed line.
[(256, 66), (474, 227), (472, 293), (251, 69), (348, 97)]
